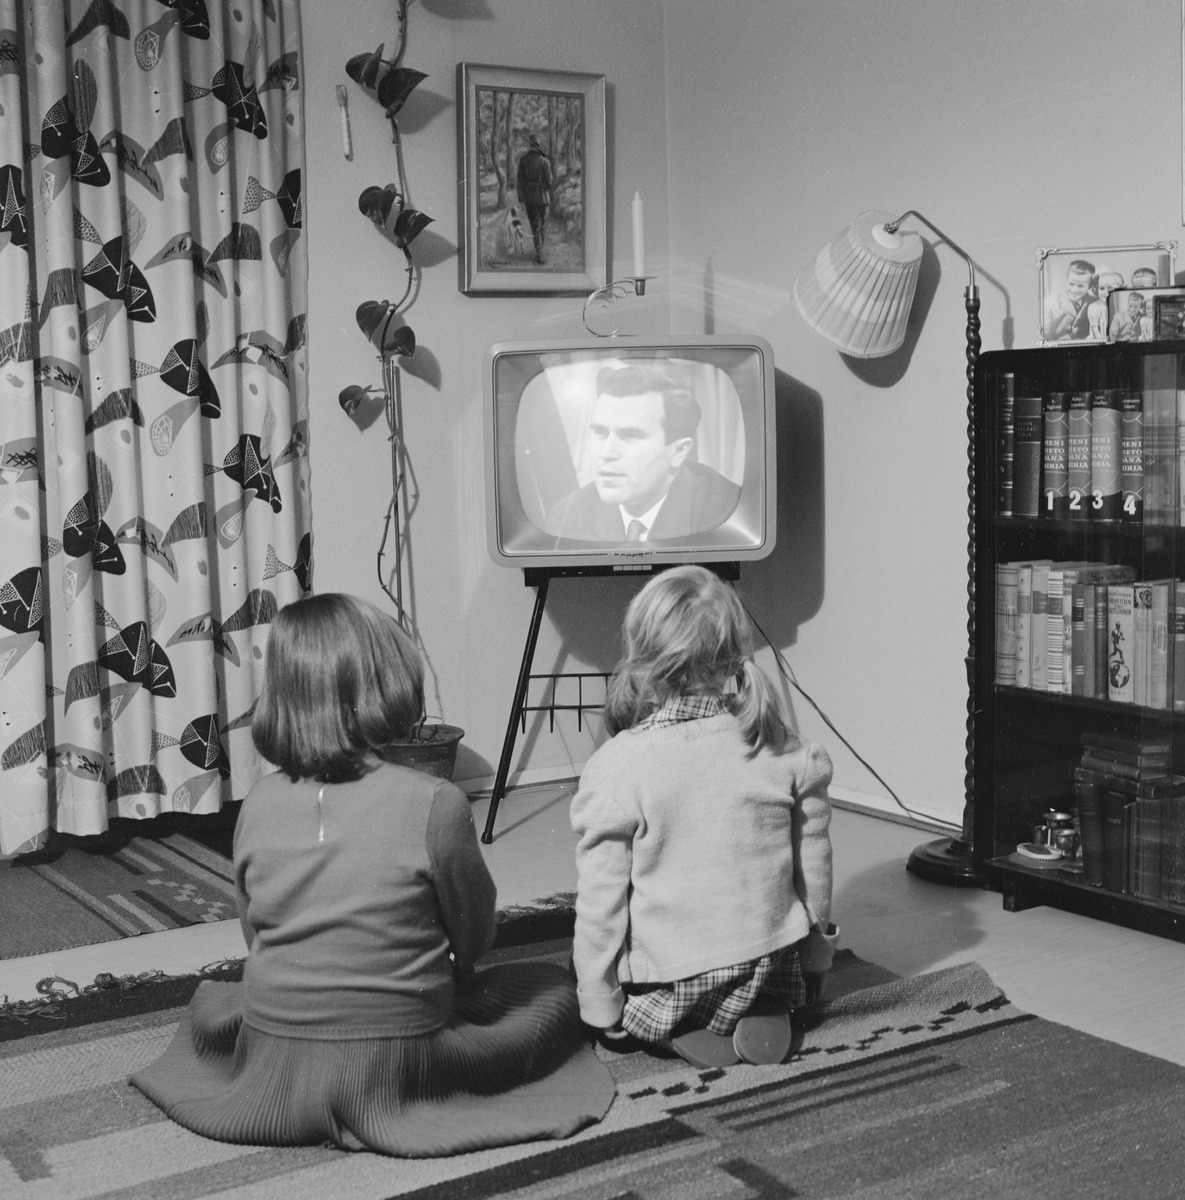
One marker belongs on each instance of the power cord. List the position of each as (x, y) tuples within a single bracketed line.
[(788, 674)]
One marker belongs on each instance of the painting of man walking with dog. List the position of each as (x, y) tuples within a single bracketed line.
[(538, 215)]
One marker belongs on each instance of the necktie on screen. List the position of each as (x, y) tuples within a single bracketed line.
[(634, 531)]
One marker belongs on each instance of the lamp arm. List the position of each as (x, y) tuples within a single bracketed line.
[(891, 227)]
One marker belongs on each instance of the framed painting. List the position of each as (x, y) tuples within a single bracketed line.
[(1074, 285), (531, 181)]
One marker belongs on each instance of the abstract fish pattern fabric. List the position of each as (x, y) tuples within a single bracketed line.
[(154, 482)]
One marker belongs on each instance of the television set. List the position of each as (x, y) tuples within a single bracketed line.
[(583, 435)]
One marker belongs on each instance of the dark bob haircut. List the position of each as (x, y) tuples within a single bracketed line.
[(341, 683)]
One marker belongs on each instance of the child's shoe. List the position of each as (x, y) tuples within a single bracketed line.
[(762, 1035), (703, 1048)]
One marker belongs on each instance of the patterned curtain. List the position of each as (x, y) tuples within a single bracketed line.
[(154, 493)]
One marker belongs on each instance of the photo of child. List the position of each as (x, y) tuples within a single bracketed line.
[(1077, 286)]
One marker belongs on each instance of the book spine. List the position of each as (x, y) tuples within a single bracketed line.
[(1160, 440), (1088, 789), (1172, 870), (1026, 483), (1131, 455), (1145, 851), (1089, 639), (1006, 581), (1078, 640), (1141, 642), (1100, 640), (1024, 624), (1055, 626), (1078, 467), (1178, 682), (1038, 672), (1180, 462), (1136, 745), (1097, 748), (1007, 445), (1054, 463), (1120, 636), (1120, 770), (1116, 839), (1159, 648), (1105, 448)]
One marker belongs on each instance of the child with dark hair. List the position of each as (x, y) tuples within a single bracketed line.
[(703, 899), (365, 904)]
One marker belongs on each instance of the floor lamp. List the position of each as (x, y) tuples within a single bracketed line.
[(858, 295)]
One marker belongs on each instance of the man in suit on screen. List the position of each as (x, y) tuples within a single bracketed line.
[(644, 489)]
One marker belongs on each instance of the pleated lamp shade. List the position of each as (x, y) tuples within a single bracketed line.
[(860, 289)]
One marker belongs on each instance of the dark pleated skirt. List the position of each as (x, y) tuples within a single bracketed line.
[(511, 1066)]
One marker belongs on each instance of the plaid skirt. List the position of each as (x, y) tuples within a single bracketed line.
[(715, 1000)]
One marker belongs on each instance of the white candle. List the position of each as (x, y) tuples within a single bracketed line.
[(639, 243)]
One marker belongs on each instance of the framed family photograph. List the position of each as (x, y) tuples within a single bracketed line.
[(531, 180), (1151, 314), (1074, 285)]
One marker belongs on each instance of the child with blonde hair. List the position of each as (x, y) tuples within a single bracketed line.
[(366, 905), (703, 904)]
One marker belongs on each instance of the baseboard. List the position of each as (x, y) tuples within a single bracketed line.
[(481, 785), (867, 803)]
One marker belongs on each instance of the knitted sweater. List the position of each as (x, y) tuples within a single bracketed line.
[(350, 937), (692, 854)]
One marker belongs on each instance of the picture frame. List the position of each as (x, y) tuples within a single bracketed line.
[(1146, 314), (1073, 284), (557, 248)]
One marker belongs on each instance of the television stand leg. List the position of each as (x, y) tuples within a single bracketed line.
[(516, 709)]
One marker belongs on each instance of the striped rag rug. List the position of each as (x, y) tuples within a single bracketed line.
[(83, 894), (932, 1087)]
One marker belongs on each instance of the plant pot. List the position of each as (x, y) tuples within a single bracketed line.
[(431, 749)]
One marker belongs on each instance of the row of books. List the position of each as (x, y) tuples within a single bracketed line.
[(1131, 817), (1101, 454), (1091, 629)]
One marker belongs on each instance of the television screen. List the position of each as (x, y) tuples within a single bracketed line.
[(625, 453)]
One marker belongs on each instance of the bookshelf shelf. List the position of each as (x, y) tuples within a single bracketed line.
[(1079, 679)]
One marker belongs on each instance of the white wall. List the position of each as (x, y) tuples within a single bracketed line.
[(755, 130), (472, 615), (1010, 126)]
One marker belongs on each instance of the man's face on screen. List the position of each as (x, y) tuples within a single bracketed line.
[(634, 463)]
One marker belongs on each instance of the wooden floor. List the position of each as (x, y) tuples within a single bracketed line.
[(1096, 977)]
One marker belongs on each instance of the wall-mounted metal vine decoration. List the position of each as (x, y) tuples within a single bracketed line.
[(381, 321)]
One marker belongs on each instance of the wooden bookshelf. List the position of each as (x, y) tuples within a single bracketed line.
[(1029, 739)]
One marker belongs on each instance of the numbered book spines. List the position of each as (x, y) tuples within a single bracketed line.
[(1106, 433), (1078, 464), (1054, 464), (1111, 454), (1131, 455)]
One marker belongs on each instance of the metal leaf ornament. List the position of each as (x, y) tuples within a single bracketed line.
[(390, 84), (395, 86), (352, 396), (363, 69), (378, 203), (377, 320), (408, 225)]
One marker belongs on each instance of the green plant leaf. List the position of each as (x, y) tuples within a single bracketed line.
[(408, 225), (376, 202), (395, 87), (364, 68), (352, 395)]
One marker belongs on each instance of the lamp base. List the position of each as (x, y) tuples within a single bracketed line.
[(945, 860)]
